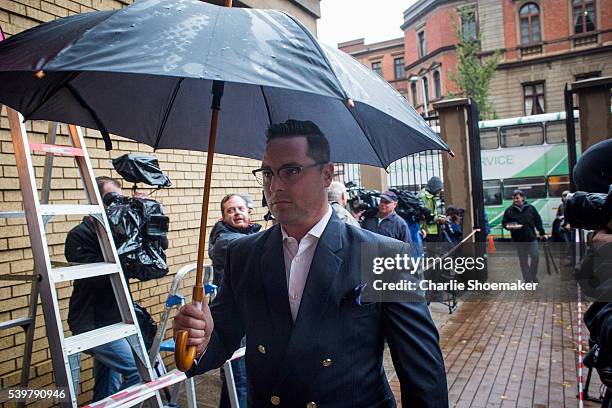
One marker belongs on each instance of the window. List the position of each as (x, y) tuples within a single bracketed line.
[(533, 96), (488, 139), (533, 187), (413, 91), (522, 135), (557, 185), (421, 42), (425, 94), (377, 67), (468, 24), (492, 192), (584, 16), (529, 16), (399, 67), (437, 85)]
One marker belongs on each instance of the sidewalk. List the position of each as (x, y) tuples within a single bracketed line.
[(514, 349)]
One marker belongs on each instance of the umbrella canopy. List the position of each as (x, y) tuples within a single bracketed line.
[(145, 72)]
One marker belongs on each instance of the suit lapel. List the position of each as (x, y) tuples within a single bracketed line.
[(275, 283), (318, 292)]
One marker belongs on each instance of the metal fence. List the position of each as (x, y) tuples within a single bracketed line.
[(347, 172), (412, 172)]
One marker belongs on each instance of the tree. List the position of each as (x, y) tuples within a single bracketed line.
[(474, 72)]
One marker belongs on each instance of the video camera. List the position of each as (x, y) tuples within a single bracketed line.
[(138, 224), (591, 208), (592, 211), (409, 206)]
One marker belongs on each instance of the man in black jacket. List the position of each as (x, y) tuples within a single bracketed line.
[(93, 305), (235, 224), (522, 220)]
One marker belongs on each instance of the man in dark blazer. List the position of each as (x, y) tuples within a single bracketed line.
[(294, 291)]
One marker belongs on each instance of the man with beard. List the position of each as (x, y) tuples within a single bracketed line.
[(235, 224)]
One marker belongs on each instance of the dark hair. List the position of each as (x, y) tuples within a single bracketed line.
[(518, 192), (101, 181), (318, 146), (227, 198)]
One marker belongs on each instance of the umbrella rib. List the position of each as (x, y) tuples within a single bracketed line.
[(51, 94), (167, 112), (267, 105), (108, 145), (321, 52)]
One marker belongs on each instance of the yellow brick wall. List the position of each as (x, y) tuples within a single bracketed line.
[(182, 203)]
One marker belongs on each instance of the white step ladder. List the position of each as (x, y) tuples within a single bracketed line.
[(61, 347)]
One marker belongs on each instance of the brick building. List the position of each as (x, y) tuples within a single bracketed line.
[(182, 201), (386, 58), (543, 43)]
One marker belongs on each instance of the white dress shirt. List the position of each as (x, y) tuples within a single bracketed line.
[(298, 258)]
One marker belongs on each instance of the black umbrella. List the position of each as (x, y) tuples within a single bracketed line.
[(146, 72)]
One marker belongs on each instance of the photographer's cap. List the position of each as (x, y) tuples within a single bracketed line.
[(389, 196)]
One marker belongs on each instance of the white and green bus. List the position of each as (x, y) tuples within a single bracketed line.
[(529, 153)]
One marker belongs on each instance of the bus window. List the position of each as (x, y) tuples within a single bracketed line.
[(533, 187), (488, 139), (492, 192), (522, 135), (557, 184), (556, 132)]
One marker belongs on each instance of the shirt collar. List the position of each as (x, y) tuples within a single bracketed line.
[(317, 230)]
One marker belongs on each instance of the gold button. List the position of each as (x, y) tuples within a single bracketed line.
[(275, 400), (261, 349), (311, 405), (327, 362)]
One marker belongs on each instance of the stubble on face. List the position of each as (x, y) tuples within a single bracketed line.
[(298, 204)]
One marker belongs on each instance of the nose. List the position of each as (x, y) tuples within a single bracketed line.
[(276, 184)]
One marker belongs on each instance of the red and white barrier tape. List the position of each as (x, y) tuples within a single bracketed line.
[(238, 353), (580, 366), (139, 391)]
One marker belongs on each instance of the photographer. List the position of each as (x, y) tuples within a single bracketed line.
[(430, 195), (93, 303), (592, 209)]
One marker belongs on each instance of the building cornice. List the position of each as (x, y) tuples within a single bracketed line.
[(429, 56), (385, 45), (419, 9), (555, 57), (314, 13)]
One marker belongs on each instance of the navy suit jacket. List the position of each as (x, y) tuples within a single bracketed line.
[(333, 354)]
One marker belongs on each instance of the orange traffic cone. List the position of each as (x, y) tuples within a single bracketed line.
[(490, 245)]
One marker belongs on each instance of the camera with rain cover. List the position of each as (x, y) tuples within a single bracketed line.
[(592, 211), (138, 224)]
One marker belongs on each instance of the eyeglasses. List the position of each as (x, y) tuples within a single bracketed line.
[(286, 174)]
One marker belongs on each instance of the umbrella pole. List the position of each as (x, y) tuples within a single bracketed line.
[(185, 355)]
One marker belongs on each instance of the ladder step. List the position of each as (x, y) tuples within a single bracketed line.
[(67, 273), (22, 321), (56, 149), (85, 341), (139, 392), (69, 209)]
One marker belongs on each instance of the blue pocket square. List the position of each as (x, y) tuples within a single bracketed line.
[(358, 289)]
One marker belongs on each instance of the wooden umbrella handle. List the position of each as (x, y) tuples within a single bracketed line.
[(184, 355)]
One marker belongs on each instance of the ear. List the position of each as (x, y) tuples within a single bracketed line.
[(328, 173)]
